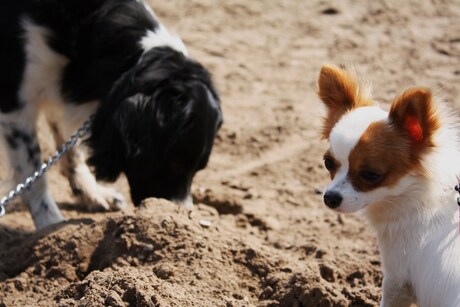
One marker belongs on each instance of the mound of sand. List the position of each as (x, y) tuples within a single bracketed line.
[(163, 255)]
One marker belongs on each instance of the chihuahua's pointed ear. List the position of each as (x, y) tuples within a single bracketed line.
[(414, 112), (340, 92)]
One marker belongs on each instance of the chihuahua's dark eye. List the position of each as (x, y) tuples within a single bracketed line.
[(329, 164), (370, 176)]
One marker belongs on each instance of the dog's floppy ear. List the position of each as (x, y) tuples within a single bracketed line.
[(414, 112), (340, 92), (108, 149), (136, 119)]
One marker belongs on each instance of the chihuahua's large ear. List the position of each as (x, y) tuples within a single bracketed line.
[(414, 112), (340, 92)]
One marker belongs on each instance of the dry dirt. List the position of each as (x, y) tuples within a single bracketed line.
[(259, 234)]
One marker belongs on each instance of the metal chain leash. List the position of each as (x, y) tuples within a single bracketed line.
[(52, 160)]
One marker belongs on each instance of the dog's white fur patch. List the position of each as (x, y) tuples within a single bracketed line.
[(41, 82), (187, 202), (161, 37)]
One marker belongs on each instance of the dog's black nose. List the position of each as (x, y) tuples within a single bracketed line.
[(332, 199)]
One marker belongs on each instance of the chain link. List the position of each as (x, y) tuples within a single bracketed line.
[(52, 160)]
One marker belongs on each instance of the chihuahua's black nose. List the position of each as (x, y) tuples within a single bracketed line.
[(332, 199)]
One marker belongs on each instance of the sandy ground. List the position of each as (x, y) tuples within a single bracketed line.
[(259, 234)]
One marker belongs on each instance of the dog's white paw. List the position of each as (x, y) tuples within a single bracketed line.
[(101, 197), (43, 220), (44, 210)]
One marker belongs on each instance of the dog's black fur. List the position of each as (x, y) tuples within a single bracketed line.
[(157, 126), (159, 111)]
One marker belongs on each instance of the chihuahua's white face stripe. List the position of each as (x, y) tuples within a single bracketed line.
[(348, 131), (343, 139)]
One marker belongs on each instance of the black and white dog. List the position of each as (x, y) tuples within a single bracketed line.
[(156, 110)]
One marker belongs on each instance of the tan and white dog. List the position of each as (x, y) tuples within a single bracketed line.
[(399, 168)]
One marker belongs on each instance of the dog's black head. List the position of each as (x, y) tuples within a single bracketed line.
[(157, 126)]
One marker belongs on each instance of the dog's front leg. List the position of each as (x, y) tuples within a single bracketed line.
[(395, 294), (23, 151), (81, 179), (85, 187)]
